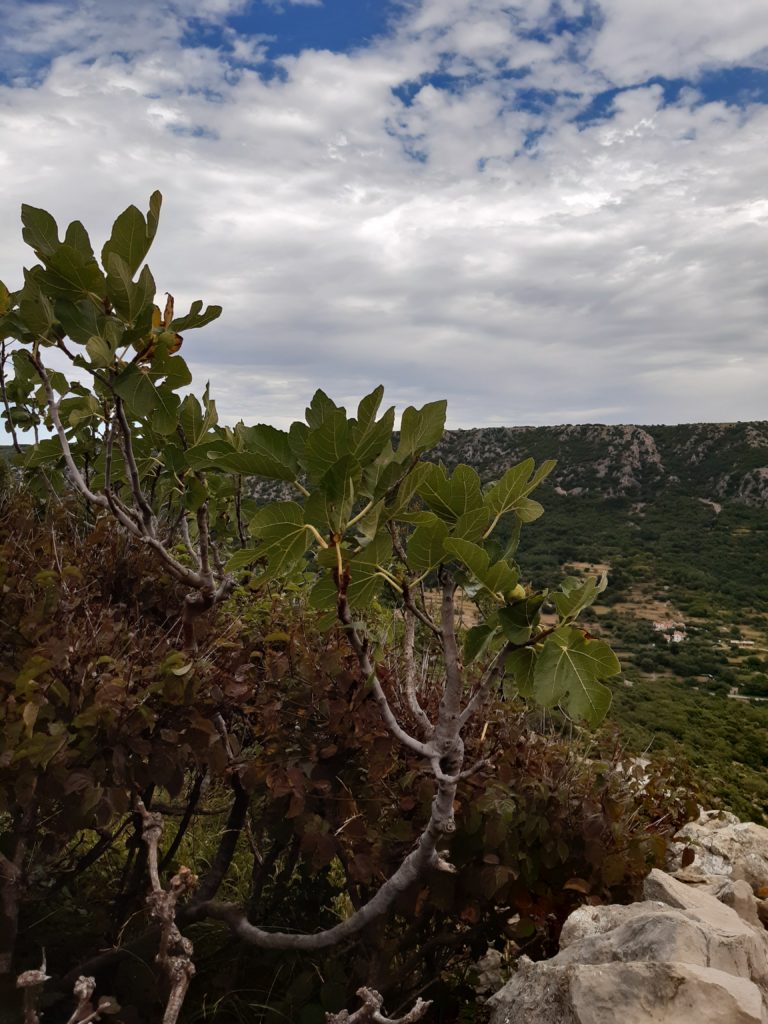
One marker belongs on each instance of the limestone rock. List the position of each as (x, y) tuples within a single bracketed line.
[(736, 894), (681, 956), (723, 845), (667, 993), (739, 896), (630, 993), (586, 922), (491, 972)]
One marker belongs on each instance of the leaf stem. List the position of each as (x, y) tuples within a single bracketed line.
[(493, 526), (317, 535), (339, 561), (361, 514), (385, 575)]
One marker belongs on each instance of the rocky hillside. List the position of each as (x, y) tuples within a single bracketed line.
[(712, 461)]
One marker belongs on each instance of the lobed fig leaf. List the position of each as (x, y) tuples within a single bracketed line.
[(569, 671)]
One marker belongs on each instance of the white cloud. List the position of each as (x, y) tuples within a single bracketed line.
[(612, 271), (656, 37)]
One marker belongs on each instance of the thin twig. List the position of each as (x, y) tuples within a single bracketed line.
[(422, 616), (491, 676), (203, 539), (369, 671), (118, 508), (126, 443), (370, 1011), (239, 510), (409, 637), (184, 524), (189, 810), (53, 409)]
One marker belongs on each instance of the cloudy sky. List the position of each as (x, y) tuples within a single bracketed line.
[(544, 212)]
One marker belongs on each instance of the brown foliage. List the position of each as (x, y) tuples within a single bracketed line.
[(100, 706)]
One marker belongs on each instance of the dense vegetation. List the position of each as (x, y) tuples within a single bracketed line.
[(711, 565), (683, 562)]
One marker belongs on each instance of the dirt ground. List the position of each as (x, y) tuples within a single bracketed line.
[(643, 606), (588, 568)]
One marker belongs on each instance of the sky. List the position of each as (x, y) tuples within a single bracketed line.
[(543, 212)]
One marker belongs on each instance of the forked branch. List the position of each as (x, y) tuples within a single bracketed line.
[(370, 1011), (208, 588)]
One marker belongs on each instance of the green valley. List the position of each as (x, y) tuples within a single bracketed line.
[(678, 517)]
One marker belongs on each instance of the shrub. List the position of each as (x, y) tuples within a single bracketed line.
[(333, 807)]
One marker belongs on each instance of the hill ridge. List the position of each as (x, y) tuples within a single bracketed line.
[(707, 460)]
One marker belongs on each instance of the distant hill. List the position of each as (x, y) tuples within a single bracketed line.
[(684, 506), (714, 461)]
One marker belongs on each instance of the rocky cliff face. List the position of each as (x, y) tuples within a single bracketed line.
[(714, 461)]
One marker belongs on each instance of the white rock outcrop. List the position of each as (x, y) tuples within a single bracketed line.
[(680, 957), (724, 846)]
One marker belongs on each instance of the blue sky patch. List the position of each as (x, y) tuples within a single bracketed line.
[(737, 86), (338, 25)]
